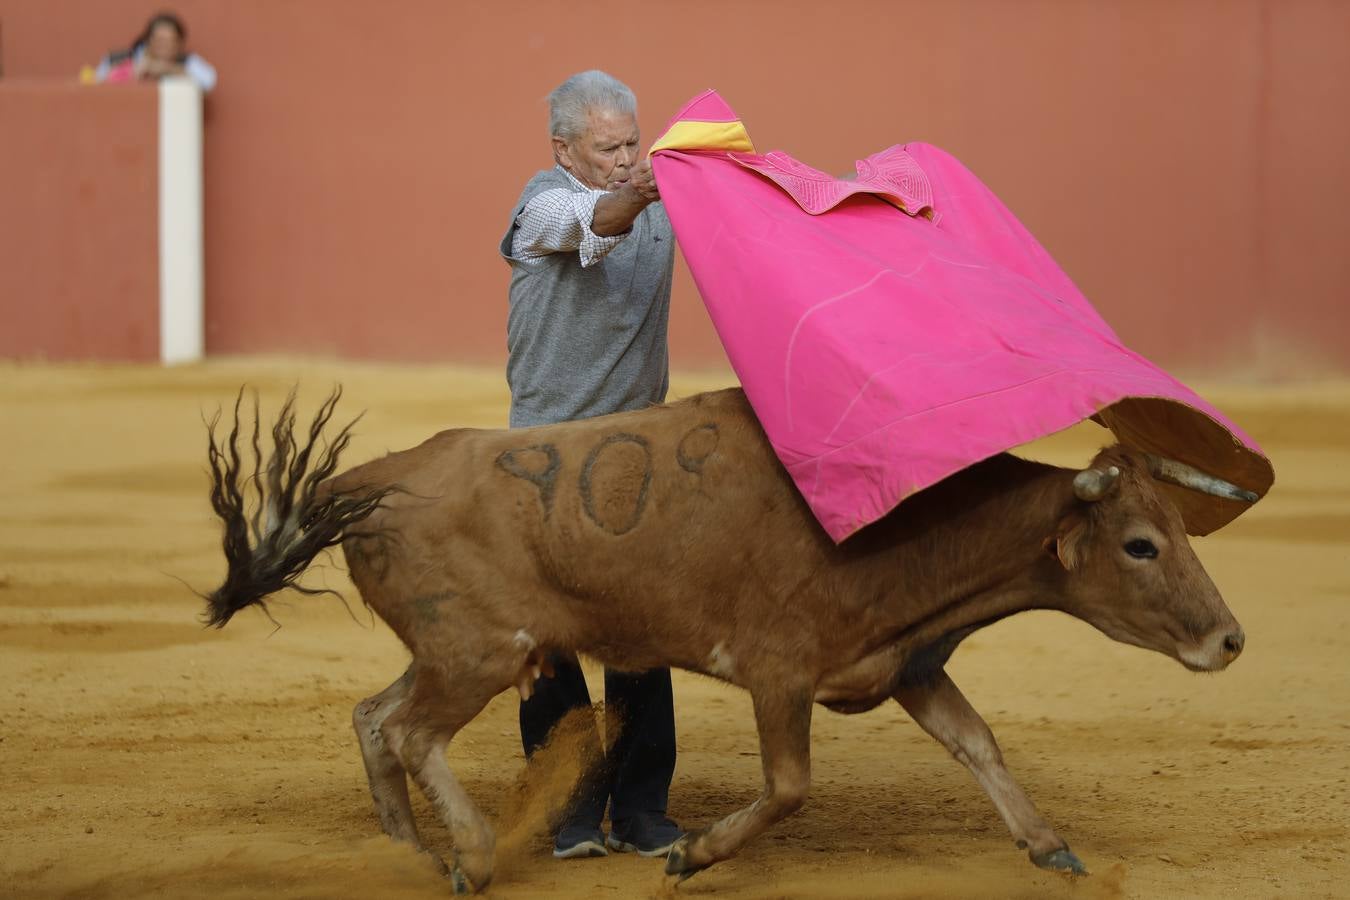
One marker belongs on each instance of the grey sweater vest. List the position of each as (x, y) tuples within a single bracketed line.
[(586, 342)]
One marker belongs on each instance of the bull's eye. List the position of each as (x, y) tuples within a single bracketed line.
[(1141, 549)]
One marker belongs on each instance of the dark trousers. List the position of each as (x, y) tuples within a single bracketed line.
[(635, 776)]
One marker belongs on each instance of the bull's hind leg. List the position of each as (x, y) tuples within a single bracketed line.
[(388, 780), (784, 720), (943, 711), (418, 731)]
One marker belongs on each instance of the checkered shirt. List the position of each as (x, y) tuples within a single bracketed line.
[(559, 221)]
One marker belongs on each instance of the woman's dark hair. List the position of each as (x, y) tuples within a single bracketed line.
[(164, 18)]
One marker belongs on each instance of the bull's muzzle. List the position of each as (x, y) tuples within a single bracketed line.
[(1216, 652), (1233, 642)]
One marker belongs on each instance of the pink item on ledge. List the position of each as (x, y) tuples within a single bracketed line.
[(123, 72)]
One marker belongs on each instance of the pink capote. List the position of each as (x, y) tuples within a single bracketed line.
[(893, 329)]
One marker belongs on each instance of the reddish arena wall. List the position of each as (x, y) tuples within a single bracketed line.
[(1183, 161), (76, 163)]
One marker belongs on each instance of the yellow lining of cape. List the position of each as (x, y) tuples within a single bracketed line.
[(691, 135)]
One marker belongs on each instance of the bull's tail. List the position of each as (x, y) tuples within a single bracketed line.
[(294, 516)]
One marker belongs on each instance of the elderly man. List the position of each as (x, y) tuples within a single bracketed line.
[(591, 253)]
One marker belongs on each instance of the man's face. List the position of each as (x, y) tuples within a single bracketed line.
[(604, 153)]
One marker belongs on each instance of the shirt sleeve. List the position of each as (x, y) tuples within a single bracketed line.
[(559, 221), (200, 71)]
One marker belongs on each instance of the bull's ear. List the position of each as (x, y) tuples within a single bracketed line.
[(1066, 545)]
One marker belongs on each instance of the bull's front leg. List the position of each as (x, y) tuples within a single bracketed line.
[(784, 720), (943, 711)]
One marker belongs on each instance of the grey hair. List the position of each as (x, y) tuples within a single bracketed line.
[(571, 101)]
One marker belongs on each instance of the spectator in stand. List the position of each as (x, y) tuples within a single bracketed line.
[(160, 51)]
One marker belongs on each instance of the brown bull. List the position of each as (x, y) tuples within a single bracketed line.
[(673, 537)]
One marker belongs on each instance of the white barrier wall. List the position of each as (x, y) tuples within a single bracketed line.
[(181, 333)]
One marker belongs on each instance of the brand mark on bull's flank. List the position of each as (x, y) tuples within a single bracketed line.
[(696, 446), (538, 464), (371, 550), (622, 484)]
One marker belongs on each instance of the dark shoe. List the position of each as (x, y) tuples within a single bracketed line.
[(578, 840), (648, 836)]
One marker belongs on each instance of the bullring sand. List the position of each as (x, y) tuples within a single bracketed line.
[(147, 756)]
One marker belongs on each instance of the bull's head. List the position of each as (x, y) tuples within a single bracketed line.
[(1129, 567)]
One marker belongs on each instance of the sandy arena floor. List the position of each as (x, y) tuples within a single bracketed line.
[(146, 756)]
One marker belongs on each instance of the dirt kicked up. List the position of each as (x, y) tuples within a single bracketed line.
[(146, 756)]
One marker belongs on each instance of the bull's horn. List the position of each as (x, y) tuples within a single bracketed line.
[(1093, 484), (1179, 473)]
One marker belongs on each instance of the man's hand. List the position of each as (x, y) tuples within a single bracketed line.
[(643, 181), (615, 212)]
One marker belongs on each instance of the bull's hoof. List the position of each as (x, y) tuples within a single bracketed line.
[(1060, 861), (677, 863), (460, 883)]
